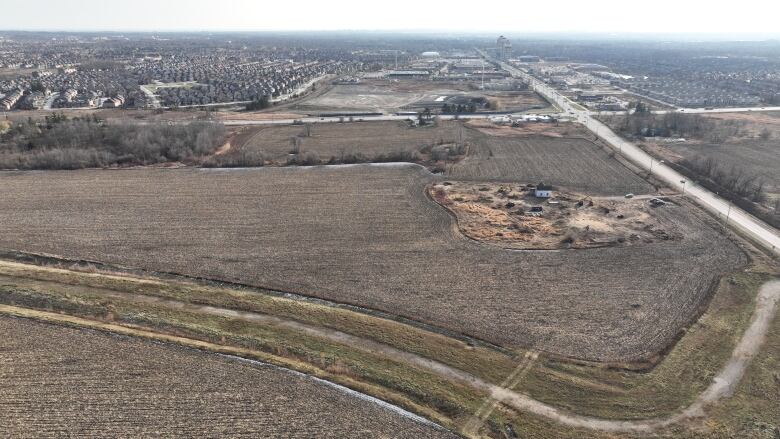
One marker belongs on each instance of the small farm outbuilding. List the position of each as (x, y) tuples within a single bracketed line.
[(543, 191)]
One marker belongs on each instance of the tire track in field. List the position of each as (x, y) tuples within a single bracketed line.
[(486, 409)]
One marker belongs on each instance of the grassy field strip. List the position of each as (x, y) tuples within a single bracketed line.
[(487, 407), (23, 267), (363, 344), (721, 387), (481, 361), (724, 384)]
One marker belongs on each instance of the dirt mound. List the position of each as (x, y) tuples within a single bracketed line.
[(511, 216)]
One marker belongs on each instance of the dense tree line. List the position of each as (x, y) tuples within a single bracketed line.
[(459, 108), (646, 124), (62, 143), (436, 153), (733, 182), (235, 159), (734, 179), (259, 104)]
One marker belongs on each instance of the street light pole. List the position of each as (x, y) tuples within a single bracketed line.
[(683, 183), (651, 164)]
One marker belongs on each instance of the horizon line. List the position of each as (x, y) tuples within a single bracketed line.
[(765, 35)]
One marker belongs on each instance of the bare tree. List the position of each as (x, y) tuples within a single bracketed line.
[(709, 165), (295, 145), (758, 194)]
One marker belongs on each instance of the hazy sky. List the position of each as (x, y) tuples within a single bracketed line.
[(601, 16)]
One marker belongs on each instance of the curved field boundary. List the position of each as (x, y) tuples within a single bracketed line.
[(238, 354), (354, 393), (723, 384)]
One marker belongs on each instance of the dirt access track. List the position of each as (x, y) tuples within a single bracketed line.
[(369, 235)]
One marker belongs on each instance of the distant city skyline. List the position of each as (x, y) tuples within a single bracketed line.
[(751, 19)]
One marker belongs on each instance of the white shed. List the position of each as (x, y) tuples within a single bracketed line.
[(543, 191)]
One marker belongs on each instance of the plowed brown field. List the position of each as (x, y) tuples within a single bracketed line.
[(60, 381), (368, 235)]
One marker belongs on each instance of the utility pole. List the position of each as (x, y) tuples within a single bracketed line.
[(651, 164)]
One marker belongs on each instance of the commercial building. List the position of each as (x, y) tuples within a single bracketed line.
[(528, 58), (503, 48), (408, 74)]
